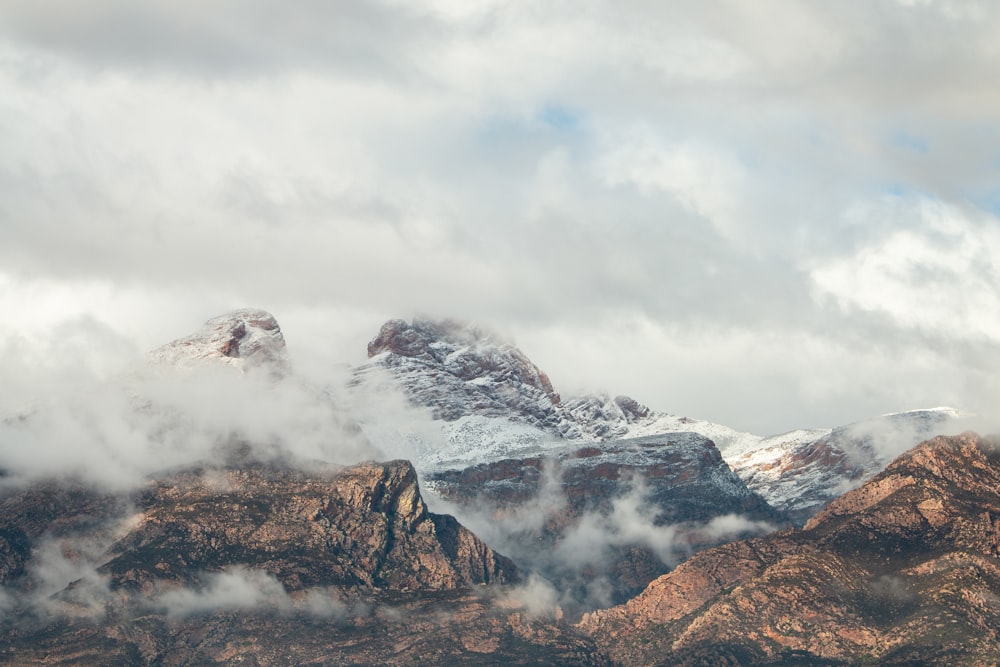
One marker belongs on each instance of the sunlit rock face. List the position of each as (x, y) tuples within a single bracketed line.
[(366, 525), (903, 570), (221, 564)]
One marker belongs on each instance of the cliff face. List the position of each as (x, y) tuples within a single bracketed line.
[(259, 563), (903, 570), (365, 526)]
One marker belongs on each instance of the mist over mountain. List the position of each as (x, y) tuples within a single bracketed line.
[(901, 571), (216, 487)]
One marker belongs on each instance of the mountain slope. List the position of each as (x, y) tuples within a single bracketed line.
[(801, 471), (903, 570)]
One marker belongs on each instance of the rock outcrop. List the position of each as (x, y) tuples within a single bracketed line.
[(903, 570), (257, 562), (246, 338), (363, 526)]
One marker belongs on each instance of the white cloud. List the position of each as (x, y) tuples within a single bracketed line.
[(939, 275), (695, 165), (237, 588)]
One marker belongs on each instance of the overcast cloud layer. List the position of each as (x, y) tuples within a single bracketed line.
[(771, 215)]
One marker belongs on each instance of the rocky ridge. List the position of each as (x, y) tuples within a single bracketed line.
[(252, 561), (903, 570), (360, 527)]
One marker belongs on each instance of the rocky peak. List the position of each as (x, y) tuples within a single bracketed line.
[(459, 370), (387, 488), (465, 351), (966, 466), (902, 570), (244, 338)]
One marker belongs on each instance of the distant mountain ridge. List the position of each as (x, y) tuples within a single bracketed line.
[(259, 555), (496, 404)]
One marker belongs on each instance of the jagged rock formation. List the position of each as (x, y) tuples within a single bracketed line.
[(903, 570), (245, 338), (257, 562), (363, 526)]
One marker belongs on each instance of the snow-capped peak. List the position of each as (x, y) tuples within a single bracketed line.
[(244, 338)]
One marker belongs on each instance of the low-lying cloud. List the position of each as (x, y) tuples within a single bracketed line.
[(116, 429), (237, 588)]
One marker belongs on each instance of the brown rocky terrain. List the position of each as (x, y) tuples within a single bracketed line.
[(360, 526), (446, 628), (365, 525), (903, 570), (260, 564)]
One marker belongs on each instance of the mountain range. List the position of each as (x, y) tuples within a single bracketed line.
[(617, 534)]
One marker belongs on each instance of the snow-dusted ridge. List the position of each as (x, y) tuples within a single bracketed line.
[(491, 403), (245, 338), (495, 404)]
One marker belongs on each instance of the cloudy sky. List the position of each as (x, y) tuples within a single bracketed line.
[(773, 214)]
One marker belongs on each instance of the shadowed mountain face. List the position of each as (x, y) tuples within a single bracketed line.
[(903, 570), (615, 515)]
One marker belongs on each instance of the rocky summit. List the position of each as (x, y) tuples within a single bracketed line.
[(245, 338), (459, 370), (903, 570)]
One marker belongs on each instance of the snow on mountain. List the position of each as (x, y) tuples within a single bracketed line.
[(245, 338), (496, 404), (801, 471)]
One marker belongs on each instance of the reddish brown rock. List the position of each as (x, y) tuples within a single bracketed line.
[(904, 570), (365, 526)]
